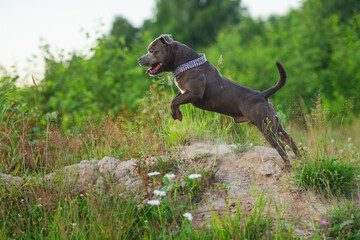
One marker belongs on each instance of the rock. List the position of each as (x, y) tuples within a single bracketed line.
[(78, 176), (107, 165), (98, 173), (9, 180), (126, 176), (198, 148), (269, 168)]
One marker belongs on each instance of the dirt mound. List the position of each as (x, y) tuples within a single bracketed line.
[(256, 170)]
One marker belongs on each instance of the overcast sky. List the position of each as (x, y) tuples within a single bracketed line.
[(26, 24)]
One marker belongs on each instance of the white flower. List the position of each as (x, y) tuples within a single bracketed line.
[(153, 202), (40, 205), (73, 224), (153, 174), (170, 175), (160, 193), (251, 144), (188, 216), (349, 139), (332, 141), (22, 200), (193, 176)]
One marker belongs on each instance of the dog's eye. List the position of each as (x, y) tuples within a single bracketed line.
[(151, 51)]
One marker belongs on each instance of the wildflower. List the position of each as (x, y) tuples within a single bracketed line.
[(153, 202), (22, 200), (40, 205), (193, 176), (73, 224), (349, 139), (332, 141), (153, 173), (188, 216), (160, 193), (294, 162), (323, 222), (170, 175)]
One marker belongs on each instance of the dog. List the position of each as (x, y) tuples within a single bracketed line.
[(202, 85)]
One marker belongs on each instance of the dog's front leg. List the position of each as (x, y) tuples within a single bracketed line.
[(182, 98)]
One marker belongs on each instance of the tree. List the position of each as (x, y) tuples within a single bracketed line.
[(194, 22), (121, 28)]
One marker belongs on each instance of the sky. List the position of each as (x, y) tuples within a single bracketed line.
[(63, 24)]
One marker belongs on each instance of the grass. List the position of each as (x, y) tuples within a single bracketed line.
[(327, 175), (342, 221), (39, 209)]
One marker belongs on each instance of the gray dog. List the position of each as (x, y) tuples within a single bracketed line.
[(201, 84)]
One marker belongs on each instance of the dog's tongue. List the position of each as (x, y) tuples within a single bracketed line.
[(155, 66), (150, 69)]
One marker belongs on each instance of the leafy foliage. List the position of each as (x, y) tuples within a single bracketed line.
[(194, 22)]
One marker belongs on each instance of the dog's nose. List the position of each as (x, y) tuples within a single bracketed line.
[(139, 59)]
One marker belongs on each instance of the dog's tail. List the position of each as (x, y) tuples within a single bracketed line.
[(282, 80)]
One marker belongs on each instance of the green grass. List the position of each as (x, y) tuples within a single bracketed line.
[(41, 210), (327, 175), (342, 221)]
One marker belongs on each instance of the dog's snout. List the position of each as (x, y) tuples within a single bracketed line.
[(139, 59)]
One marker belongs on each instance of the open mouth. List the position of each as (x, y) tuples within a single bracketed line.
[(154, 69)]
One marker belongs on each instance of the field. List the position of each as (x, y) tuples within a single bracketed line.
[(34, 206), (90, 151)]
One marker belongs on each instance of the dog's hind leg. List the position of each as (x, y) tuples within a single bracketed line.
[(285, 137), (270, 131)]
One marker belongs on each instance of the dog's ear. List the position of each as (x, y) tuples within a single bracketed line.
[(166, 38)]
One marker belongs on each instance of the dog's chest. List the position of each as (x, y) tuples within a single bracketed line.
[(176, 83)]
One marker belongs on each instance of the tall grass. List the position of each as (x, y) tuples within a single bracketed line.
[(37, 209), (325, 166)]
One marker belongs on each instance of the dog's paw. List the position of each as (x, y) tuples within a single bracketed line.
[(173, 115), (176, 114), (287, 167), (179, 115)]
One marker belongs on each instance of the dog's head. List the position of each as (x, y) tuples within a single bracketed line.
[(158, 57)]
